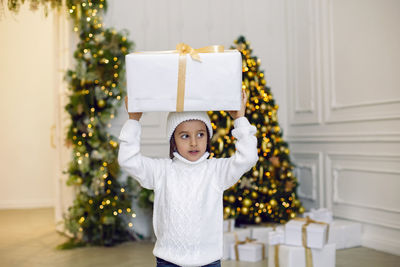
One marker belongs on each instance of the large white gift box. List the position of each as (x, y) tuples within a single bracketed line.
[(178, 80), (251, 252), (229, 238), (321, 215), (294, 256), (316, 234), (229, 224), (345, 234)]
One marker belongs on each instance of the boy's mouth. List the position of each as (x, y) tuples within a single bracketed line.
[(193, 152)]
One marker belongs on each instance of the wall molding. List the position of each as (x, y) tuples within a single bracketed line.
[(312, 161), (338, 200), (313, 170), (344, 137), (340, 113), (27, 203), (307, 115), (367, 162), (387, 244)]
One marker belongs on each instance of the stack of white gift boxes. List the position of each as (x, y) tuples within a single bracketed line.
[(308, 241)]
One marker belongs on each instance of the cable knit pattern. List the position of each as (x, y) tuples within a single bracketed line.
[(188, 206)]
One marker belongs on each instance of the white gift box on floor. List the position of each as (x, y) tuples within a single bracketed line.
[(316, 234), (215, 83), (345, 234), (229, 225), (321, 215), (276, 237), (251, 252), (261, 234), (229, 238), (294, 256)]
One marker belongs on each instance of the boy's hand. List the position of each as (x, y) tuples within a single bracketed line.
[(132, 115), (240, 113)]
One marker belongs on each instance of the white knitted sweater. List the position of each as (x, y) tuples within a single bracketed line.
[(188, 207)]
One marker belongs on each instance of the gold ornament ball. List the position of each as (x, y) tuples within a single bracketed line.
[(245, 211), (292, 215), (226, 198), (255, 173), (262, 205), (255, 116), (247, 202), (270, 192), (264, 145), (221, 131), (254, 194), (101, 103), (264, 129), (232, 199), (264, 190), (214, 117), (296, 202), (257, 219), (227, 210), (301, 209), (263, 106), (273, 203)]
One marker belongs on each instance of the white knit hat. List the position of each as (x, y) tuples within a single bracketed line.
[(176, 118)]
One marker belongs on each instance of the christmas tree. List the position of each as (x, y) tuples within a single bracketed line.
[(101, 210), (267, 193)]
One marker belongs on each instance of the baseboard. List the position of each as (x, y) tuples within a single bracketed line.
[(391, 246), (26, 204)]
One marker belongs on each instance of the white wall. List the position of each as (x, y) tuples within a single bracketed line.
[(344, 111)]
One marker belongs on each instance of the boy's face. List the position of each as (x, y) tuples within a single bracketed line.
[(191, 139)]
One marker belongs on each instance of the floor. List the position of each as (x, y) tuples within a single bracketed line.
[(28, 238)]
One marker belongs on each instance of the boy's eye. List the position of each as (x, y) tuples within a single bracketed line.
[(184, 136), (200, 134)]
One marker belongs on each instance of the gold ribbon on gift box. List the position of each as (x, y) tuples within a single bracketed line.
[(230, 225), (308, 253), (184, 49), (248, 240)]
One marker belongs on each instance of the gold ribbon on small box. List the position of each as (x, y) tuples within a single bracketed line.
[(248, 240), (230, 225), (308, 253), (183, 49)]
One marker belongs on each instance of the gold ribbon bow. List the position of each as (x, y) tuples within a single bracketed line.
[(183, 50), (308, 253), (248, 240)]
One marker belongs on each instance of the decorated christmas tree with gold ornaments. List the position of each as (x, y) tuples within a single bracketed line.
[(267, 193)]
